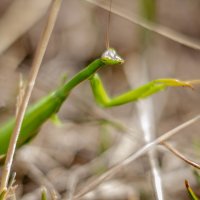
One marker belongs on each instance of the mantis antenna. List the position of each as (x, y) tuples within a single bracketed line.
[(110, 56), (108, 28)]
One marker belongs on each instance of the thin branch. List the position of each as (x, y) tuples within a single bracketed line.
[(40, 51), (159, 29), (180, 155), (116, 169), (20, 93)]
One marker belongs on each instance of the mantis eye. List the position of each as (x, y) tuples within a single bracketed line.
[(111, 57)]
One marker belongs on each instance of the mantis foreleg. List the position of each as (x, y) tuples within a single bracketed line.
[(142, 92)]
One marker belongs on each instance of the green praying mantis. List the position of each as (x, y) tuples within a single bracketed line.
[(42, 110)]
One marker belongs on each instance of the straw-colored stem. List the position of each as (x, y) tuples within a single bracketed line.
[(180, 155), (40, 51)]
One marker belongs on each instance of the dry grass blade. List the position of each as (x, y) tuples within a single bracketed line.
[(114, 170), (20, 93), (159, 29), (40, 51), (181, 156)]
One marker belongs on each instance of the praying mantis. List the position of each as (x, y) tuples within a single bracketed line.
[(49, 105)]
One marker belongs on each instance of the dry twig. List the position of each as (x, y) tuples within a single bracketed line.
[(40, 51), (180, 155)]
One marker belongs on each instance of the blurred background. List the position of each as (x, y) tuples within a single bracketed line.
[(63, 158)]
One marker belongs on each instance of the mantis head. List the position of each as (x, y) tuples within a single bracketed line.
[(110, 57)]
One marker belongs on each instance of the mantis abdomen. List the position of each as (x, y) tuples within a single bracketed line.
[(34, 118)]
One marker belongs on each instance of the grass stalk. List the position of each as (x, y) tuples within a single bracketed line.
[(180, 155), (40, 51)]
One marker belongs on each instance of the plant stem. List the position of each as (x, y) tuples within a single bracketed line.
[(40, 51), (180, 155)]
